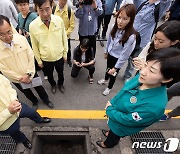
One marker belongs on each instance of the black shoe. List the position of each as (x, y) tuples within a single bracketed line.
[(27, 144), (99, 143), (45, 120), (35, 106), (69, 63), (103, 37), (53, 89), (50, 104), (61, 88), (104, 132)]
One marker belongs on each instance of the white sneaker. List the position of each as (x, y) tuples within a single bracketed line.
[(126, 80), (102, 81), (106, 91), (45, 77)]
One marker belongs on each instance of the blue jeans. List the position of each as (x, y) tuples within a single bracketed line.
[(14, 129), (130, 67)]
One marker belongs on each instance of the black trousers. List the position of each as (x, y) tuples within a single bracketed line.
[(107, 19), (29, 94), (111, 61), (14, 129), (69, 50), (172, 91), (111, 140), (36, 65), (100, 22), (75, 70), (92, 39), (49, 69), (175, 112), (38, 68)]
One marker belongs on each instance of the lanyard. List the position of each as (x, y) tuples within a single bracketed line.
[(88, 9)]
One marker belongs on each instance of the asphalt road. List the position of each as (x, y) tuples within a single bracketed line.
[(84, 97)]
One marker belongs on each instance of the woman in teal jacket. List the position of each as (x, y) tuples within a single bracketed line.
[(142, 100)]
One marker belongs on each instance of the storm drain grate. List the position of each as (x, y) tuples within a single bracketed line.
[(148, 143), (7, 145)]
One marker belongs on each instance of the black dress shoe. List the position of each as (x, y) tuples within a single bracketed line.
[(50, 104), (45, 120), (53, 89), (61, 88), (27, 144), (99, 143), (104, 132), (35, 106)]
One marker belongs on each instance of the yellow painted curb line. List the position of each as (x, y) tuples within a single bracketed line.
[(76, 114), (73, 114)]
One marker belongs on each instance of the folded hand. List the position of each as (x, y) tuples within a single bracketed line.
[(107, 105)]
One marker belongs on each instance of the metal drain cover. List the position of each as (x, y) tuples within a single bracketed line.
[(148, 143), (7, 145)]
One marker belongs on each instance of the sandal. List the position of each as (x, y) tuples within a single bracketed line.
[(104, 132), (90, 80)]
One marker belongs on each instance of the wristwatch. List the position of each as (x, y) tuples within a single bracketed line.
[(29, 74)]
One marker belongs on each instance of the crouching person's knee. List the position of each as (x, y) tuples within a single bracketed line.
[(74, 75)]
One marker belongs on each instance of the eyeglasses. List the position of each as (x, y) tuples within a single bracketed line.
[(3, 36)]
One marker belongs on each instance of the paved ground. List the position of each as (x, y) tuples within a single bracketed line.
[(80, 95)]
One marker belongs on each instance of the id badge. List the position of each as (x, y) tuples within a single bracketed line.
[(89, 17)]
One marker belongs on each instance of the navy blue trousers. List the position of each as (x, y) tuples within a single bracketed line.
[(14, 129)]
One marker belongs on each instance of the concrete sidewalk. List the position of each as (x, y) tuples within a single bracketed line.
[(124, 147)]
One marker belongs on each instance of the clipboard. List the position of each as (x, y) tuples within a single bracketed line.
[(34, 83)]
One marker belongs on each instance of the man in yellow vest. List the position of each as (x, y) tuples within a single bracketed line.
[(64, 11), (17, 62), (11, 110), (49, 42)]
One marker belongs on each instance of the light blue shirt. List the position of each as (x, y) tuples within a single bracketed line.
[(110, 4), (88, 18), (144, 21), (7, 9), (137, 3), (115, 49)]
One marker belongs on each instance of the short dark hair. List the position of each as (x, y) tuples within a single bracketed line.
[(169, 59), (39, 3), (4, 18), (21, 1), (85, 43), (171, 29)]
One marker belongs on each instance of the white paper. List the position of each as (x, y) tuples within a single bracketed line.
[(34, 83)]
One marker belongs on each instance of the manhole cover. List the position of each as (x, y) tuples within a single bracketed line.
[(148, 143), (7, 145)]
